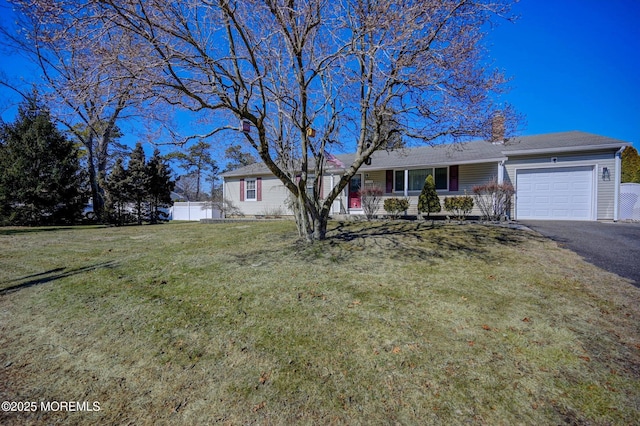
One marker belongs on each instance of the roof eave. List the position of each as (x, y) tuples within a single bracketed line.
[(565, 149), (438, 164)]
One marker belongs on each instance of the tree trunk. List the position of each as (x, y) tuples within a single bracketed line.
[(96, 193), (320, 228)]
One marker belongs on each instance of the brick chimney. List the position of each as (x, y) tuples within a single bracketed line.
[(497, 128)]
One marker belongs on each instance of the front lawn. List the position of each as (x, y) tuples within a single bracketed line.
[(383, 323)]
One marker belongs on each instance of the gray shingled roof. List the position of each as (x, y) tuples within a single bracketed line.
[(467, 152)]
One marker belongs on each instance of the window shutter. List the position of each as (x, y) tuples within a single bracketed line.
[(259, 189), (241, 189), (453, 178), (389, 186)]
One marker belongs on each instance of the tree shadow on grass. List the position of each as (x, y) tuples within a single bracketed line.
[(12, 230), (422, 241), (49, 276)]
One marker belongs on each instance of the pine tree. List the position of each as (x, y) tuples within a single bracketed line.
[(160, 186), (117, 194), (40, 178), (199, 165), (237, 158), (428, 202), (138, 181)]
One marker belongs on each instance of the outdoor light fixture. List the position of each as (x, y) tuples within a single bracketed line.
[(605, 174)]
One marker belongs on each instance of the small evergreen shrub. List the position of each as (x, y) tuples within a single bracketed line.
[(428, 201), (459, 207), (396, 206)]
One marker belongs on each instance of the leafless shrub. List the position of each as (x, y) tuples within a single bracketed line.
[(371, 199), (230, 209), (493, 199)]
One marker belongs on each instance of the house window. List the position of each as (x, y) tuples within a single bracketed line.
[(250, 190), (418, 176), (441, 178)]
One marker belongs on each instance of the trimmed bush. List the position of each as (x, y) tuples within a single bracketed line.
[(429, 202), (459, 206), (396, 206)]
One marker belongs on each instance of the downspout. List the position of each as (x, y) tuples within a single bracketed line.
[(616, 192), (501, 172), (501, 181), (224, 197), (333, 210)]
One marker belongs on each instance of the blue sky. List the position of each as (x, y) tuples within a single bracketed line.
[(574, 64)]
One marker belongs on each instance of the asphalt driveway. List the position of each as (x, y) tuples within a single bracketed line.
[(614, 247)]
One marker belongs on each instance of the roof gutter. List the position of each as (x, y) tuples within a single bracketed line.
[(616, 192), (433, 164), (561, 149)]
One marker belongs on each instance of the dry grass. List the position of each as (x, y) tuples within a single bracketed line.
[(383, 323)]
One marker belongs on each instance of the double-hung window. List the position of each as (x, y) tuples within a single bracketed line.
[(250, 190)]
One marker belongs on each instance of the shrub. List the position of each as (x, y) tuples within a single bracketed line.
[(429, 202), (371, 198), (460, 206), (395, 206), (493, 199)]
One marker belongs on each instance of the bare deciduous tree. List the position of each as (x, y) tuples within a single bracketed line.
[(311, 76), (92, 78)]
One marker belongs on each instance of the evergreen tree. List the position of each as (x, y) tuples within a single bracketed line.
[(237, 158), (428, 202), (198, 164), (160, 186), (40, 178), (138, 181), (118, 193), (630, 165)]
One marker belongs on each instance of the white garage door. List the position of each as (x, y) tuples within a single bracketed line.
[(555, 194)]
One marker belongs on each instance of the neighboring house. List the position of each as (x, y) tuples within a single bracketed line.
[(557, 176)]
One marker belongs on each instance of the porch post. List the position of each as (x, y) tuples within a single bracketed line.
[(406, 183)]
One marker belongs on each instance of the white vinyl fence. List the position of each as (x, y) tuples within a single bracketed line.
[(194, 211), (630, 201)]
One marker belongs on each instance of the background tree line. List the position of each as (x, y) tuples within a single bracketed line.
[(139, 192), (41, 179), (44, 177)]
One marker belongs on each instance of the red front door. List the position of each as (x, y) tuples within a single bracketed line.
[(355, 202)]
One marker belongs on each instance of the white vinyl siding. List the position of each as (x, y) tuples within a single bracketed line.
[(470, 175), (604, 188), (274, 196)]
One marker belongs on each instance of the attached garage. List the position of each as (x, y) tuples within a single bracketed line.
[(563, 193)]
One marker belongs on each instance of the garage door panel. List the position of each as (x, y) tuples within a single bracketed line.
[(541, 187), (558, 193)]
